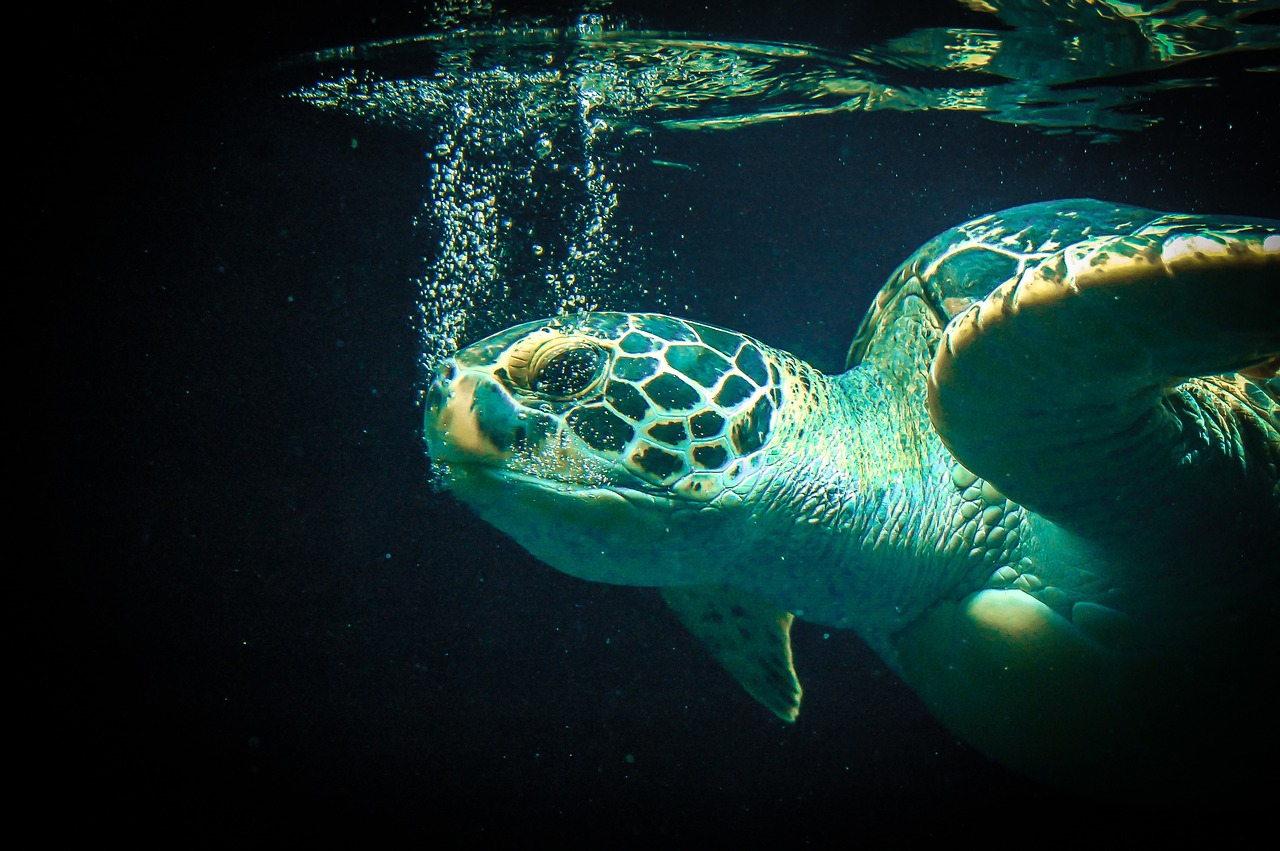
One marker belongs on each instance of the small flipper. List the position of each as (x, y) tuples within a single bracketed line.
[(751, 638), (1068, 388)]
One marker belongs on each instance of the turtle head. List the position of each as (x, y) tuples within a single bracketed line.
[(610, 445)]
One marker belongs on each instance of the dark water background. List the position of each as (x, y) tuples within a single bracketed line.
[(260, 620)]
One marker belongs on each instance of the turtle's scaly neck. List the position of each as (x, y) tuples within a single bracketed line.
[(853, 485)]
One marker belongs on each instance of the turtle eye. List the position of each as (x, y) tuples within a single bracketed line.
[(568, 372), (556, 366)]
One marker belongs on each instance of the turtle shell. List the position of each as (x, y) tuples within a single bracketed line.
[(964, 264)]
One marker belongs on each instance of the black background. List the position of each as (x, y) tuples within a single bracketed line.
[(261, 622)]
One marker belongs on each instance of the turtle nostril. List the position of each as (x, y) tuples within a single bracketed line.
[(438, 391), (435, 397)]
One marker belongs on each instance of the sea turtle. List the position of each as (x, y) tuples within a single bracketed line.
[(1045, 491)]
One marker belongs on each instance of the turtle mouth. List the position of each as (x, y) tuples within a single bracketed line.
[(478, 481)]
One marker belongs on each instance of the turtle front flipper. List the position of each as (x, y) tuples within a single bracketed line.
[(1106, 380), (749, 636), (1118, 388)]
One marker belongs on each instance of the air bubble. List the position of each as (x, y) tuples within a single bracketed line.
[(522, 175)]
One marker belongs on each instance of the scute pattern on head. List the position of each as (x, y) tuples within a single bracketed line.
[(667, 405), (668, 372)]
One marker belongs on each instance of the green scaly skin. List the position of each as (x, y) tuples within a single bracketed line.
[(1070, 635), (843, 473)]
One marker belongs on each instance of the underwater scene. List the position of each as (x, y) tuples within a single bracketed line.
[(617, 422)]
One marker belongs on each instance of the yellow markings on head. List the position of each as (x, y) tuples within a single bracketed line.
[(459, 430), (518, 359), (699, 487), (527, 361)]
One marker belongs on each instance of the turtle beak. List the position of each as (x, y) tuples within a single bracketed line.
[(461, 418)]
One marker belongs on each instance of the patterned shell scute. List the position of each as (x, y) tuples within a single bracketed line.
[(964, 264)]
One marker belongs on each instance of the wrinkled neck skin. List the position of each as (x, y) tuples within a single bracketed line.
[(847, 527), (841, 522)]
